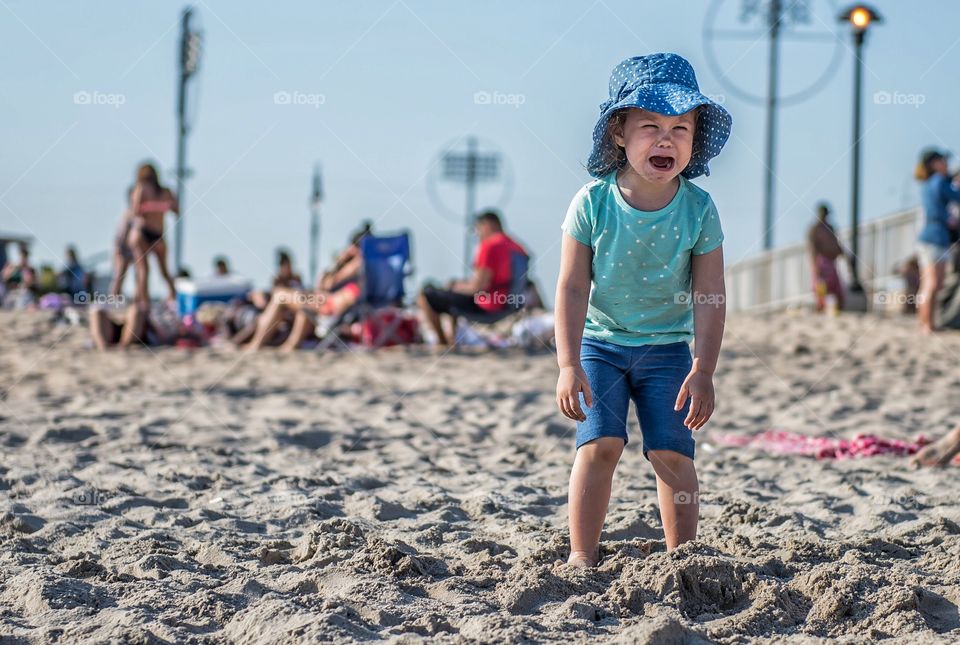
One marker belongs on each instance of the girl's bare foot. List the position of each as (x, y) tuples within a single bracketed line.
[(939, 453), (583, 559)]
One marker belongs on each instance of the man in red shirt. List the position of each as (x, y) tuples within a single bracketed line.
[(487, 291)]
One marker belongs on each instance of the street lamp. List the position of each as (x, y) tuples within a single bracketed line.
[(859, 17)]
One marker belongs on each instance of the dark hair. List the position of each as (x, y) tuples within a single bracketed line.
[(283, 257), (823, 209), (147, 174), (928, 157), (490, 217), (220, 260)]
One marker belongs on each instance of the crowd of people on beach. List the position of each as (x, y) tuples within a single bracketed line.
[(22, 284), (291, 313)]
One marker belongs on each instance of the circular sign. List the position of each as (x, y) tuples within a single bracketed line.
[(446, 177), (737, 32)]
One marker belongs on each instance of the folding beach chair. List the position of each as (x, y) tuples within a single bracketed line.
[(516, 299), (386, 264)]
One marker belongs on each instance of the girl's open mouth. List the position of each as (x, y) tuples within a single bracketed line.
[(662, 163)]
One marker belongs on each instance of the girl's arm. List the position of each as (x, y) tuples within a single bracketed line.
[(709, 308), (573, 293), (136, 198), (174, 203), (709, 313)]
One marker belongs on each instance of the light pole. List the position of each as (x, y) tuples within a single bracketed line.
[(774, 20), (316, 198), (469, 168), (785, 23), (859, 17), (189, 62)]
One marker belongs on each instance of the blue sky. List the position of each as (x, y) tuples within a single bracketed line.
[(390, 83)]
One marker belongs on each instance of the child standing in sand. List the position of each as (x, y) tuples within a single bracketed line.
[(641, 274)]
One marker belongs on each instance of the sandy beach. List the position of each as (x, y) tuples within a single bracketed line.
[(213, 496)]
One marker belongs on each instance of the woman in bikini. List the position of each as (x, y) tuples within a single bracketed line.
[(149, 204)]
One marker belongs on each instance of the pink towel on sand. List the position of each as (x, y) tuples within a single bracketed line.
[(782, 442)]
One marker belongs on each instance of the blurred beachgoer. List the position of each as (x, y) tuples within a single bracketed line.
[(220, 266), (824, 248), (47, 281), (286, 276), (337, 290), (21, 273), (73, 279), (149, 203), (941, 452), (485, 291), (933, 245), (243, 314), (19, 280), (347, 264), (136, 325)]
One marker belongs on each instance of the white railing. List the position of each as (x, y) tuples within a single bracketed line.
[(781, 278)]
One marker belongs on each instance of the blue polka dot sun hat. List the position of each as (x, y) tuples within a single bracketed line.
[(665, 84)]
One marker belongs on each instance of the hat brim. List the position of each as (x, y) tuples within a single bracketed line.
[(713, 125)]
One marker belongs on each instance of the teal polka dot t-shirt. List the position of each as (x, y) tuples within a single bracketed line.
[(641, 272)]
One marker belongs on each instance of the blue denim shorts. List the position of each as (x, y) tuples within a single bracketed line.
[(651, 375)]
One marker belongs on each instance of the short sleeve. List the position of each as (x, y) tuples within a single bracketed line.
[(578, 223), (483, 259), (711, 234)]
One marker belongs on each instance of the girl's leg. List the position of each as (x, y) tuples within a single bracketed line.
[(589, 496), (299, 331), (940, 453), (141, 268), (678, 493), (160, 249), (102, 330), (272, 316), (120, 266), (134, 327), (929, 286), (433, 320)]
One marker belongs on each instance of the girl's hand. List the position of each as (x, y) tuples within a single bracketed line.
[(699, 387), (573, 381)]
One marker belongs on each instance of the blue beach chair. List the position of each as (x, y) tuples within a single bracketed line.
[(386, 265)]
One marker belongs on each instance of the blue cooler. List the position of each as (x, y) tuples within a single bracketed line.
[(190, 294)]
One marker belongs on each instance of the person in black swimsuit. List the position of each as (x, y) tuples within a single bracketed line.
[(149, 203)]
